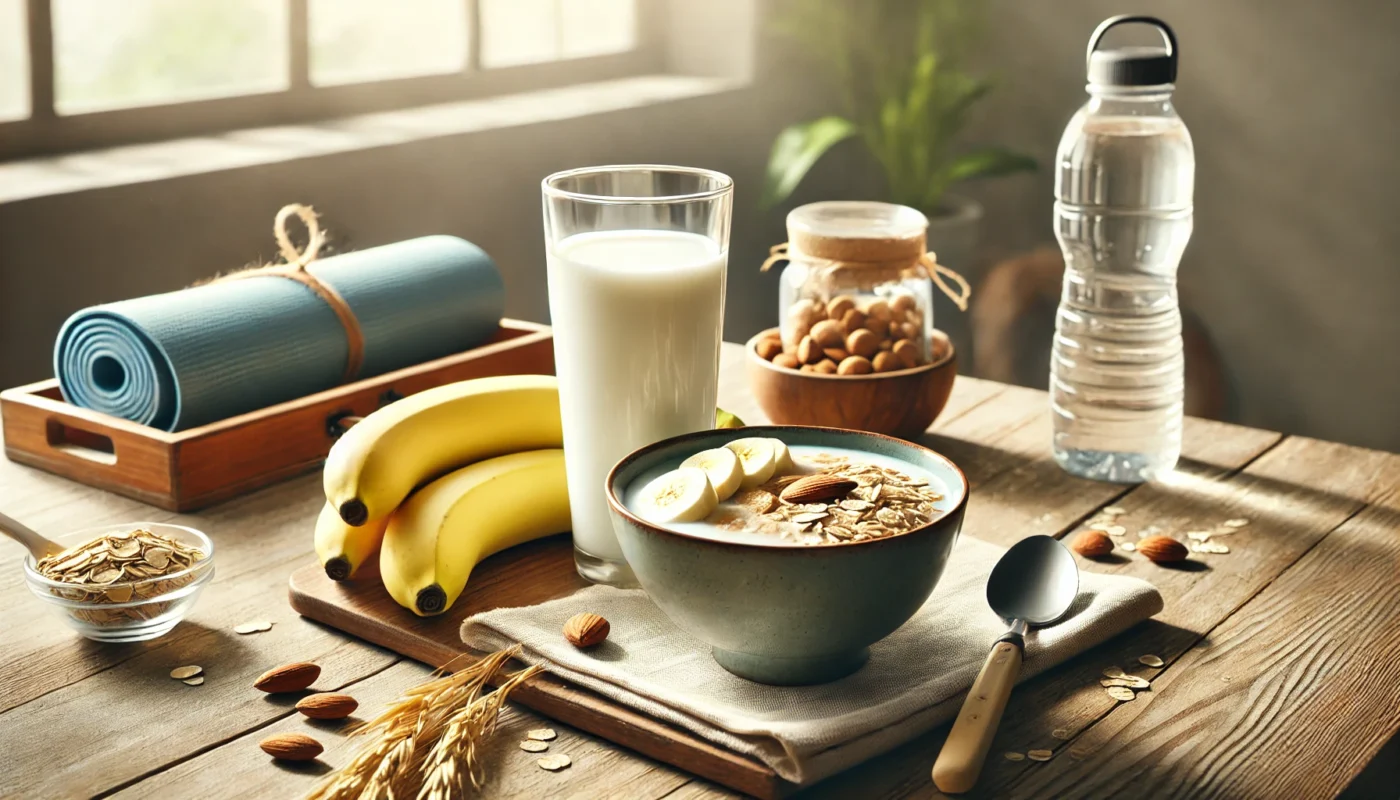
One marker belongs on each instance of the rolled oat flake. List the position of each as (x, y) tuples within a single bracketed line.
[(554, 762)]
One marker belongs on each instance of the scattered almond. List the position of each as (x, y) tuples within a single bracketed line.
[(327, 705), (1162, 549), (291, 747), (586, 630), (1093, 544), (817, 489), (288, 678)]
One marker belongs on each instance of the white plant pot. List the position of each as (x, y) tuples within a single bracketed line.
[(952, 236)]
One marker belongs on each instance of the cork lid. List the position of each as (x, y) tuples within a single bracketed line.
[(857, 231)]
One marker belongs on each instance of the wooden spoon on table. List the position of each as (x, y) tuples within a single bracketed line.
[(37, 545)]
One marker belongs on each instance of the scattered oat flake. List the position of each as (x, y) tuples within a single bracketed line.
[(1120, 693), (1199, 536), (542, 734), (1115, 530), (1114, 511), (532, 746), (1128, 546), (260, 626), (180, 673), (1125, 680), (197, 680), (1239, 522), (1150, 661), (555, 762), (1080, 753), (1060, 733), (1210, 547), (1113, 672), (1014, 756), (1039, 755)]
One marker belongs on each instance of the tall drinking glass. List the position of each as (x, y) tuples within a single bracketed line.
[(637, 257)]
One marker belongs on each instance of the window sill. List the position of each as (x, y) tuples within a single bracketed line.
[(78, 172)]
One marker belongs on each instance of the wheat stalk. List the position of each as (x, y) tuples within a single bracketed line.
[(421, 734)]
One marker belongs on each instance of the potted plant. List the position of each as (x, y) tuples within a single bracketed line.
[(896, 67)]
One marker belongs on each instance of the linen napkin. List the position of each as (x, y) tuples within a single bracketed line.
[(915, 680)]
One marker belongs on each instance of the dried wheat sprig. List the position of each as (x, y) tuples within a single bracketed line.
[(456, 750), (403, 736)]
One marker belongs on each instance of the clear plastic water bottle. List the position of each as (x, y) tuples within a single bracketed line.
[(1123, 187)]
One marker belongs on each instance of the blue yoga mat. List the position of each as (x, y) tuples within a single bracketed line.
[(203, 354)]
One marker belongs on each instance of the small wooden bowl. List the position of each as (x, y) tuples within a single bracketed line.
[(902, 403)]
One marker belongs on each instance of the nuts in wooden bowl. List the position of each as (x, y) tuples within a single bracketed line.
[(857, 337)]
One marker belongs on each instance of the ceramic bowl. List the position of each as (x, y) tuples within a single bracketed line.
[(902, 403), (787, 614)]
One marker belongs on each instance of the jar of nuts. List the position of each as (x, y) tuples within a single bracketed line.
[(857, 295)]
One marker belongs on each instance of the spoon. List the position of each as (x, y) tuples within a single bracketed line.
[(1033, 584), (37, 545)]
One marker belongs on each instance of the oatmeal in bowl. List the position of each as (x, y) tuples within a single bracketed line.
[(788, 549)]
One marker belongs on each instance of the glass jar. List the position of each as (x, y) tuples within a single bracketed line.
[(859, 283)]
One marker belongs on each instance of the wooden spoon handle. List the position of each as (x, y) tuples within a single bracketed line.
[(37, 545), (960, 761)]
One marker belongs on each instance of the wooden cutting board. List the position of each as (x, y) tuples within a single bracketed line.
[(525, 575)]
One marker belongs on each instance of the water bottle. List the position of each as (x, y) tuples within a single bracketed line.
[(1123, 187)]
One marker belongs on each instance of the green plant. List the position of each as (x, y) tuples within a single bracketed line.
[(896, 66)]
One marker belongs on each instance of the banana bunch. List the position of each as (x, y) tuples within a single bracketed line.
[(442, 479)]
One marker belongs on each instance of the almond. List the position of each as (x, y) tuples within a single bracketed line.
[(817, 489), (854, 365), (1093, 544), (291, 746), (327, 705), (586, 630), (786, 360), (1162, 549), (288, 678), (808, 351), (829, 333), (769, 348), (863, 343)]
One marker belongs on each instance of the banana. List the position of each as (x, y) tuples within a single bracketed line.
[(723, 468), (343, 548), (438, 536), (377, 463), (782, 458), (724, 419), (681, 495), (758, 459)]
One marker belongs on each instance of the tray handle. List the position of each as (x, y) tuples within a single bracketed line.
[(65, 435)]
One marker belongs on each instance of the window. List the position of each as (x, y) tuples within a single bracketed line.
[(77, 74)]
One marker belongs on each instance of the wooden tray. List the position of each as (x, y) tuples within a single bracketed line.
[(525, 575), (193, 468)]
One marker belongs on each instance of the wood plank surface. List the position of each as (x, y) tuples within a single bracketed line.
[(1310, 699)]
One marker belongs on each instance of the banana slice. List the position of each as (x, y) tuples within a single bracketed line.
[(681, 495), (782, 459), (758, 459), (723, 468)]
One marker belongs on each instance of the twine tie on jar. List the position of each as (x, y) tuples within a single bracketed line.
[(901, 268), (295, 268)]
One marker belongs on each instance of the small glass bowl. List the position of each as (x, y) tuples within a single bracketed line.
[(138, 619)]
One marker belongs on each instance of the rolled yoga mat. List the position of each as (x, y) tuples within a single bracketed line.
[(203, 354)]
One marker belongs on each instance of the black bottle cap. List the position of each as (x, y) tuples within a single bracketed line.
[(1132, 66)]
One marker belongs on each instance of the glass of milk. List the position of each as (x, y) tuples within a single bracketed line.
[(636, 258)]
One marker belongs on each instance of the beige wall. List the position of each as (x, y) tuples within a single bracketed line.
[(1292, 104)]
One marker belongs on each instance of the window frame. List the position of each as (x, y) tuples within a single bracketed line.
[(45, 132)]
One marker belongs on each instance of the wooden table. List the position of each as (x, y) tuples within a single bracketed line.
[(1282, 676)]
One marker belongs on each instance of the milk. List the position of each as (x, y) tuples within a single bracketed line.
[(637, 318)]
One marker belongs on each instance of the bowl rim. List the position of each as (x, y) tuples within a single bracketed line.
[(618, 507), (32, 575), (751, 348)]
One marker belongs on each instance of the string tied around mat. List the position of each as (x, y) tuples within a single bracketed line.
[(295, 268)]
